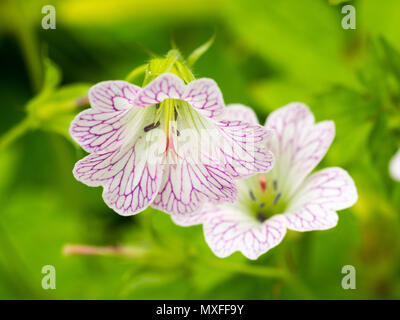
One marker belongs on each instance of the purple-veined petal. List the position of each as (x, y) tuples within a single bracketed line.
[(395, 166), (166, 86), (298, 144), (188, 184), (244, 148), (239, 112), (228, 229), (320, 196), (130, 175), (98, 131), (104, 126), (109, 96), (204, 95)]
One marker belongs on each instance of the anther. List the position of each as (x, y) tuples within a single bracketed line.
[(260, 217), (252, 195), (157, 105), (278, 196), (262, 205), (275, 185), (151, 126)]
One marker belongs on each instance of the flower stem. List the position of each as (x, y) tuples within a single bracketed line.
[(124, 251), (253, 270), (135, 73), (14, 133)]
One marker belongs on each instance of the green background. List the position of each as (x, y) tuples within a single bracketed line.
[(266, 54)]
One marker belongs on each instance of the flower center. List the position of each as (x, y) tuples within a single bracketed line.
[(174, 117), (265, 198)]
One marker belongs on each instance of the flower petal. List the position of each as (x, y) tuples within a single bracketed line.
[(244, 148), (188, 184), (111, 96), (298, 144), (205, 96), (130, 175), (227, 229), (166, 86), (103, 127), (98, 131), (239, 112), (320, 196), (395, 166), (202, 94)]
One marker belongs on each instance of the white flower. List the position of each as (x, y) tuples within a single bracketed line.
[(395, 166), (287, 197), (163, 145)]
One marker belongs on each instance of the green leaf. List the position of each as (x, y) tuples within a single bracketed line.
[(197, 53), (52, 75)]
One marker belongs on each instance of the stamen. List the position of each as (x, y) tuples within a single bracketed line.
[(275, 185), (252, 195), (262, 205), (260, 217), (176, 114), (176, 131), (278, 196), (263, 183), (151, 126), (157, 105)]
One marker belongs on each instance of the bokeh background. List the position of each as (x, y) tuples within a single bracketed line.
[(265, 54)]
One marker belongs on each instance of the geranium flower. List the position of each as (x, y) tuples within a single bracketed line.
[(287, 197), (163, 145), (395, 166)]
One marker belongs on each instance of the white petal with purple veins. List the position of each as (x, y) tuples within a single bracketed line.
[(228, 229), (111, 96), (298, 144), (202, 94), (104, 126), (240, 112), (187, 185), (205, 96), (166, 86), (130, 175), (244, 148), (98, 131), (321, 195)]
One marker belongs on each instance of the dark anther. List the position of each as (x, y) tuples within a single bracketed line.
[(262, 205), (176, 130), (176, 114), (157, 105), (260, 217), (275, 185), (151, 126), (278, 196), (252, 195)]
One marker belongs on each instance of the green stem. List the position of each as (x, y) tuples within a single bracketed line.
[(14, 133), (27, 39), (253, 270), (135, 73)]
